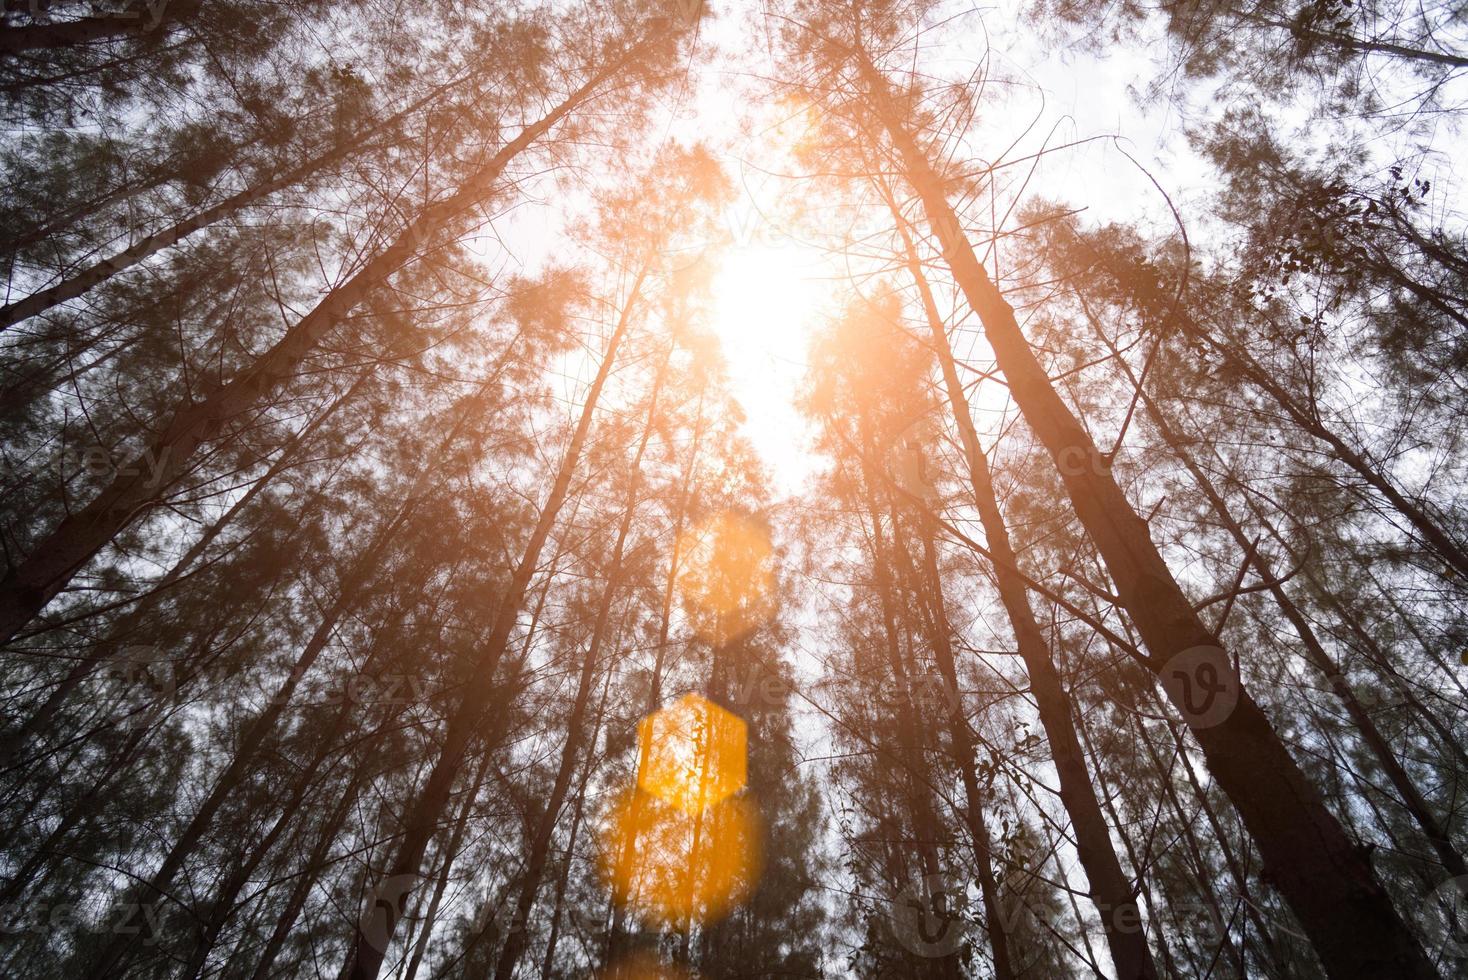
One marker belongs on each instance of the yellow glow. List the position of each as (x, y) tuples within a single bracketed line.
[(691, 754), (727, 581), (676, 868)]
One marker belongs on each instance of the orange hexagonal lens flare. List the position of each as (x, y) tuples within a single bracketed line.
[(678, 868), (727, 580), (691, 754)]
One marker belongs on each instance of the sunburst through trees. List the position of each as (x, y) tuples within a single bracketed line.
[(809, 488)]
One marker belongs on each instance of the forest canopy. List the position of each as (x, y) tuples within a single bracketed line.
[(795, 488)]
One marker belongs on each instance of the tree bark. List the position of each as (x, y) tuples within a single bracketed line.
[(364, 961), (30, 585), (99, 272), (1324, 876)]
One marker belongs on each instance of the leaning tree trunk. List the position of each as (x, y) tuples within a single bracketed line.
[(1413, 799), (514, 946), (939, 632), (420, 822), (450, 855), (1321, 872), (559, 900), (1112, 893), (253, 739), (86, 666), (1309, 421), (102, 270), (35, 581), (93, 30), (316, 862), (225, 902)]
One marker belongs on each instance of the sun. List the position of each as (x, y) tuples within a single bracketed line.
[(765, 294), (766, 301)]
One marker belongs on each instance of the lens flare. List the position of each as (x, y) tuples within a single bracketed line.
[(680, 869), (691, 754), (682, 847)]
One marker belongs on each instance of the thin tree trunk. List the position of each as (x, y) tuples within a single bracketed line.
[(315, 862), (497, 732), (254, 739), (1379, 658), (1236, 870), (1201, 871), (223, 906), (616, 934), (54, 226), (515, 944), (1438, 539), (1088, 745), (1358, 45), (548, 962), (919, 785), (450, 854), (1112, 893), (1325, 877), (90, 804), (29, 586), (102, 270), (995, 916), (364, 961)]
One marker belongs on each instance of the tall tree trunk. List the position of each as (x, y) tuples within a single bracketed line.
[(1112, 893), (30, 585), (86, 666), (423, 813), (96, 29), (102, 270), (515, 944), (1412, 798), (315, 862), (254, 738), (918, 779), (1325, 876)]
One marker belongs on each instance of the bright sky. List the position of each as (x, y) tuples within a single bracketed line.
[(772, 290), (766, 299), (1109, 156)]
